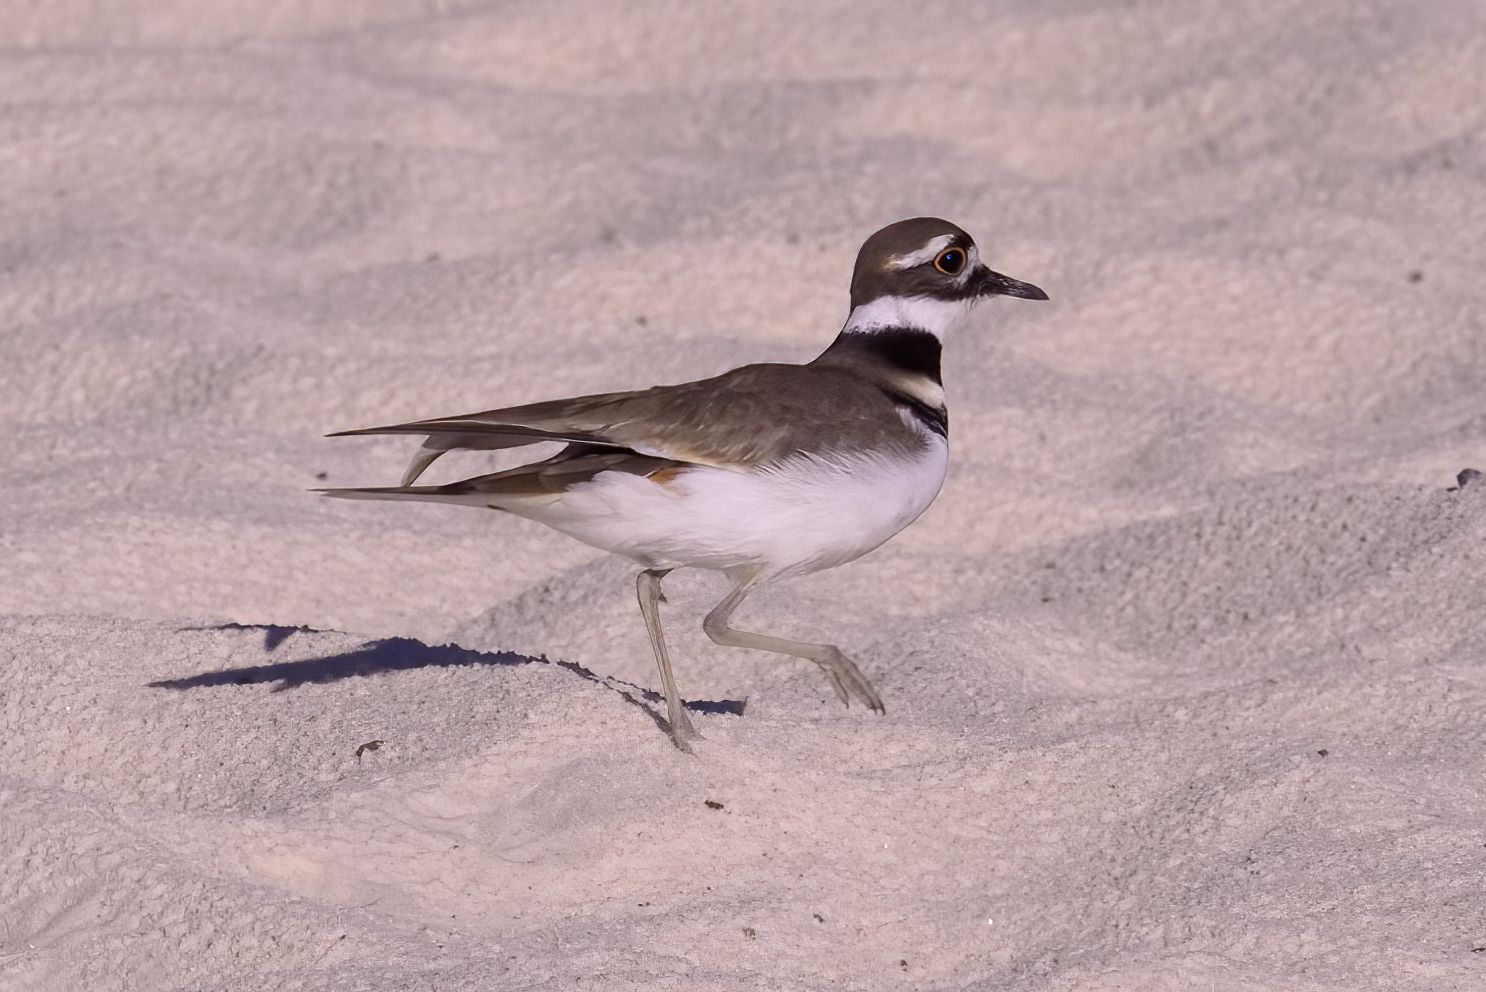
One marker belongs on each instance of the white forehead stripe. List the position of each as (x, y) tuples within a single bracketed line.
[(924, 254)]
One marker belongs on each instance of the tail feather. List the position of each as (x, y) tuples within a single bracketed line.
[(425, 494), (457, 432), (447, 435), (424, 457), (516, 487)]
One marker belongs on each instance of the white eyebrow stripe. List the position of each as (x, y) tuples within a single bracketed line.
[(924, 254)]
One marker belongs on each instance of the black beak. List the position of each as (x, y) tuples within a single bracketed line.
[(988, 283)]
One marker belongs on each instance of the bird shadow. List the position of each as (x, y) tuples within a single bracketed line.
[(395, 654)]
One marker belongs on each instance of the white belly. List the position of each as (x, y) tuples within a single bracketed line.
[(799, 517)]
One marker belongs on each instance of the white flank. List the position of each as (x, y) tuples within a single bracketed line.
[(799, 516), (938, 317)]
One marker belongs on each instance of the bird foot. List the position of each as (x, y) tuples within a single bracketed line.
[(848, 681), (682, 731)]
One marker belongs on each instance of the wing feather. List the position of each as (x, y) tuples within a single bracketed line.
[(573, 465), (751, 415)]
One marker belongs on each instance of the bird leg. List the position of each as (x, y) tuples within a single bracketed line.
[(651, 596), (845, 677)]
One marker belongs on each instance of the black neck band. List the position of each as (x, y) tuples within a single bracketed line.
[(910, 349)]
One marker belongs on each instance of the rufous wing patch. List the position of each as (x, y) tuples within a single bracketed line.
[(666, 476)]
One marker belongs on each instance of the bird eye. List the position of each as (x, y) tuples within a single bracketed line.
[(950, 261)]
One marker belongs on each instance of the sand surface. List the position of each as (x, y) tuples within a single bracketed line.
[(1185, 671)]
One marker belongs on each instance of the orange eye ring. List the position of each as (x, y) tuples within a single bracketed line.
[(951, 261)]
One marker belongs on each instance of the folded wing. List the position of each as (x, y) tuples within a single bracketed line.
[(513, 427), (749, 415)]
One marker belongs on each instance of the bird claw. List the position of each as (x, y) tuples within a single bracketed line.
[(848, 681), (682, 731)]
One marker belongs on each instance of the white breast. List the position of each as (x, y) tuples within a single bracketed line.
[(799, 516)]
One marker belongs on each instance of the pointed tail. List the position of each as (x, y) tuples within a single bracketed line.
[(454, 493)]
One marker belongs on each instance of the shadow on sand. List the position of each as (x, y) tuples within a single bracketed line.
[(394, 654)]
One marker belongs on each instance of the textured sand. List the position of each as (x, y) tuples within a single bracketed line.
[(1185, 671)]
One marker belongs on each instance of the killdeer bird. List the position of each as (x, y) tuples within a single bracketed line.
[(761, 473)]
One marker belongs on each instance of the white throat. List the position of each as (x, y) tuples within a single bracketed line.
[(925, 313)]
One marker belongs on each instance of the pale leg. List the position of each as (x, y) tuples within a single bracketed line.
[(648, 586), (845, 677)]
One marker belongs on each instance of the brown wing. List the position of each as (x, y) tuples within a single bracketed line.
[(575, 464), (751, 415)]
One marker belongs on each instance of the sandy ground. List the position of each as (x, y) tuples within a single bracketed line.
[(1185, 671)]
